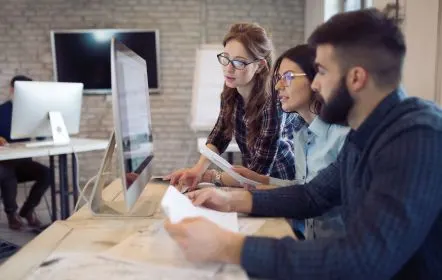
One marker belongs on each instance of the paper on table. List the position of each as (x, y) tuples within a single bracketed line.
[(98, 266), (154, 245), (250, 225), (177, 207)]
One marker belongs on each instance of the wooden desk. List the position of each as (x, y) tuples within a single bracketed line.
[(83, 233), (19, 150)]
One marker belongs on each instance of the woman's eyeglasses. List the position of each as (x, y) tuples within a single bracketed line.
[(286, 78), (223, 59)]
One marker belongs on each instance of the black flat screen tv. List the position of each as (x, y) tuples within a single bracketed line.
[(84, 56)]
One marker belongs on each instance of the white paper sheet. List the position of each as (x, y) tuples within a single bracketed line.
[(225, 166), (99, 266), (154, 245), (178, 207), (249, 226)]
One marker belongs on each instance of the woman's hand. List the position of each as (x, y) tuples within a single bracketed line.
[(185, 178)]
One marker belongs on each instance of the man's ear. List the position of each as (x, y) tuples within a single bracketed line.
[(357, 78)]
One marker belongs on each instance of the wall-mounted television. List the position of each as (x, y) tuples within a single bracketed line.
[(84, 56)]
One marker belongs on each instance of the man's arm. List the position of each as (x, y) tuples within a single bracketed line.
[(301, 201), (383, 232)]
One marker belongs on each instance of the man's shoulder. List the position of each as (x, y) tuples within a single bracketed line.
[(415, 112), (412, 114)]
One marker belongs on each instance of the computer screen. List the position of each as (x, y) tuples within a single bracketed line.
[(83, 55), (32, 102), (133, 129)]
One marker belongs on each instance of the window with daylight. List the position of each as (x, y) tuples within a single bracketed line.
[(332, 7)]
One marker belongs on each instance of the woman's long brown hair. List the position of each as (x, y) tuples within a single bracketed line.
[(255, 40)]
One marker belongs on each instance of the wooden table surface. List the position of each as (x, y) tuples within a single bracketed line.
[(85, 233)]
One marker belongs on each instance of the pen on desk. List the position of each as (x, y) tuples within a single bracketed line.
[(49, 262)]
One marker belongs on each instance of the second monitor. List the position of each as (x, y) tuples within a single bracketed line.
[(46, 109)]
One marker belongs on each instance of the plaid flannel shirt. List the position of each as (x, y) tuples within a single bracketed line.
[(261, 155), (283, 166)]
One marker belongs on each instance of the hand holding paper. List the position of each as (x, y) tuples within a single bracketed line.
[(177, 207), (225, 166), (203, 241)]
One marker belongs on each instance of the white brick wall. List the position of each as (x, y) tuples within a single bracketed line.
[(183, 24)]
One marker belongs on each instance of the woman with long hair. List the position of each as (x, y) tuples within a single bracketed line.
[(248, 111)]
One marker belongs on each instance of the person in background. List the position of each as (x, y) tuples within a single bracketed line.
[(17, 171), (248, 111), (387, 177)]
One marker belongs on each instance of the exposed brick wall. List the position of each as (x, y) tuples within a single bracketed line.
[(183, 25)]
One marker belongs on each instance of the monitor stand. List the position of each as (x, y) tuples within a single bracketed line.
[(101, 207), (60, 135)]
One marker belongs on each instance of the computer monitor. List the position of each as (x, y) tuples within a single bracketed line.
[(45, 109), (132, 135)]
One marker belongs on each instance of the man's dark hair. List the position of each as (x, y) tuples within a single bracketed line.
[(19, 78), (366, 38)]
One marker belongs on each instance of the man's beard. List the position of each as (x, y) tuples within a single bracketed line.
[(336, 110)]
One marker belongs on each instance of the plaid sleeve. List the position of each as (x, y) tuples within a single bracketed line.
[(217, 136), (265, 147), (283, 166)]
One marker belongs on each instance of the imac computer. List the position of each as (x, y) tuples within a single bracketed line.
[(46, 109), (132, 138)]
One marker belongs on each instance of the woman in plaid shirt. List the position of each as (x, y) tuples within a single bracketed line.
[(248, 111)]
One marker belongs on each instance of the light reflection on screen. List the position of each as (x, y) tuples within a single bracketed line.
[(135, 117)]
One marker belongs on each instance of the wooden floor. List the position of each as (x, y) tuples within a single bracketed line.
[(23, 236)]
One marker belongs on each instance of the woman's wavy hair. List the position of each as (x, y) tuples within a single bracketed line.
[(255, 40), (304, 56)]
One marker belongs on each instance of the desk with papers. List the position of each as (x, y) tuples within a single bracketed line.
[(109, 248)]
